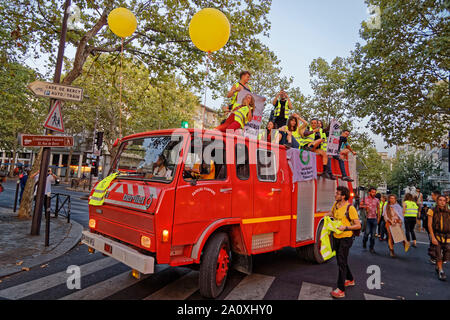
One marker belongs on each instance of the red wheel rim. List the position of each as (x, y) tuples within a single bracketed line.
[(222, 265)]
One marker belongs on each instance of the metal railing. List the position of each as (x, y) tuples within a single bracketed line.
[(60, 205)]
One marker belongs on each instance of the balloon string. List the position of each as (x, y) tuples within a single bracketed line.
[(120, 91), (206, 89)]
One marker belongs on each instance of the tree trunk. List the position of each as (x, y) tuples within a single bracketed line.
[(69, 162), (13, 163), (28, 194)]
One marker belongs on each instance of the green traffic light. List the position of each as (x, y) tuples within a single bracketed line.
[(185, 125)]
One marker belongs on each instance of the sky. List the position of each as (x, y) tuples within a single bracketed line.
[(304, 30)]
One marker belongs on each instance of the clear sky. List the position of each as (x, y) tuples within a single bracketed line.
[(303, 30)]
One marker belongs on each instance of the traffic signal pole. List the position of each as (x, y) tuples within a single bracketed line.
[(37, 214)]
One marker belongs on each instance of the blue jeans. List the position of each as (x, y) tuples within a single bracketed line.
[(371, 228), (341, 166)]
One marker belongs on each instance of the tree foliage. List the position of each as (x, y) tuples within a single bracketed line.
[(399, 77)]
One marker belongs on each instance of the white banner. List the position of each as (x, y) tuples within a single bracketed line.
[(333, 138), (252, 128)]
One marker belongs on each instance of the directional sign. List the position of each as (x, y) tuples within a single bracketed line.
[(54, 120), (56, 91), (28, 140)]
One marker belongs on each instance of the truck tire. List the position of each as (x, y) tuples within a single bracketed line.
[(214, 266), (311, 253)]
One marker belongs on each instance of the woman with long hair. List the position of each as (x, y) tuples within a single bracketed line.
[(393, 216), (290, 134), (240, 116), (439, 228)]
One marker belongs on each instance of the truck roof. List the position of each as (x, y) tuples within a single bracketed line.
[(192, 131)]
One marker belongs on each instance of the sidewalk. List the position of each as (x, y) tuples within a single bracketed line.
[(20, 251)]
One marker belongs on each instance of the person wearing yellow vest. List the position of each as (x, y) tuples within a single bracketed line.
[(344, 212), (410, 212), (240, 116), (282, 104), (244, 78), (312, 138), (290, 135), (269, 134)]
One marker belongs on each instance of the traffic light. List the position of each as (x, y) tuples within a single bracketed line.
[(185, 125), (94, 168), (99, 139)]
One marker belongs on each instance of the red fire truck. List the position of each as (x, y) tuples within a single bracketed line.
[(207, 200)]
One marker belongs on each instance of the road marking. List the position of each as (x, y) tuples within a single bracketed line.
[(372, 297), (310, 291), (252, 287), (53, 280), (106, 288), (180, 289)]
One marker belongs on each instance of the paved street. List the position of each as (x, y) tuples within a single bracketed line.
[(277, 276)]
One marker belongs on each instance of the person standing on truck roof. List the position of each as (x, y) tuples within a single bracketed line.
[(240, 116), (312, 139), (244, 78), (439, 228), (372, 206), (290, 134), (344, 212), (282, 104)]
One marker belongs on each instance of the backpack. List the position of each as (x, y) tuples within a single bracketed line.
[(356, 233), (443, 215)]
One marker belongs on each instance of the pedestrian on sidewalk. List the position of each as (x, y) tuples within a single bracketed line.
[(51, 179), (344, 212), (372, 206), (382, 233), (410, 212), (393, 215), (439, 227), (23, 181)]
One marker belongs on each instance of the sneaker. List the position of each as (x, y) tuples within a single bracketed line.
[(407, 246), (414, 244), (442, 276), (338, 294), (349, 283), (348, 179), (432, 261), (328, 176)]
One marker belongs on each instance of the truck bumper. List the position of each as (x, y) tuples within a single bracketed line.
[(128, 256)]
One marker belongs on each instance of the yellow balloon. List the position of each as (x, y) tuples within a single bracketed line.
[(209, 30), (122, 22)]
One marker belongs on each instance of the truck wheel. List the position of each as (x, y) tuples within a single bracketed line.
[(214, 266), (314, 250)]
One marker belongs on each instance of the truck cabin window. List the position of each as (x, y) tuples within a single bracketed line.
[(152, 158), (206, 160)]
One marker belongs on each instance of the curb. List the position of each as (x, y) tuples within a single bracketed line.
[(69, 242)]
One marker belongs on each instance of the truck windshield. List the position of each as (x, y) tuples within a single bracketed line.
[(151, 158)]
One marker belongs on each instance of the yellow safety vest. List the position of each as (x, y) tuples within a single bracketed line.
[(263, 135), (278, 109), (234, 102), (328, 227), (325, 143), (240, 115), (411, 209), (297, 137), (311, 138), (382, 205), (98, 196)]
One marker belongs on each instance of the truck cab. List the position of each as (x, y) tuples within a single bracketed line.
[(208, 200)]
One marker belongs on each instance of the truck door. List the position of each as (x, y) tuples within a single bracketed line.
[(204, 191)]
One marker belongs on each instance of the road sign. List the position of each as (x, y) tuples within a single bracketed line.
[(28, 140), (54, 120), (56, 91)]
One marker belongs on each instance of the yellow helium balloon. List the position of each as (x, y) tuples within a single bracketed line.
[(122, 22), (209, 30)]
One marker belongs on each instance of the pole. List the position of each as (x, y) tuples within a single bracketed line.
[(16, 196), (37, 214)]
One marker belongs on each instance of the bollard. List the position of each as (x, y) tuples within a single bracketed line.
[(17, 194), (47, 221), (57, 206)]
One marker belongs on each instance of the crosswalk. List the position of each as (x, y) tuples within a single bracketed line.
[(254, 287)]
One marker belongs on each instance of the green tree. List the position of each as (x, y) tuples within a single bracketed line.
[(161, 40), (21, 111), (399, 77), (407, 169)]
